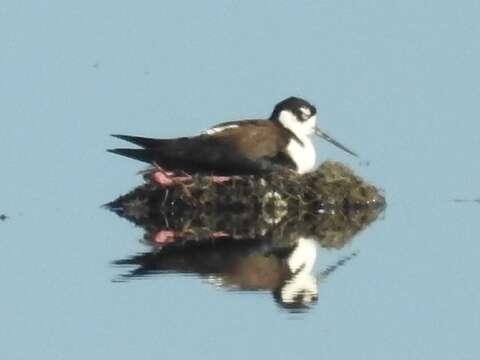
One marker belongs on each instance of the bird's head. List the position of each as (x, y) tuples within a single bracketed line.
[(297, 115), (300, 117)]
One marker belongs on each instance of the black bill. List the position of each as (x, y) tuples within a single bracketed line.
[(323, 135)]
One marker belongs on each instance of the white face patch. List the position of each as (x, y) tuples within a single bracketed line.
[(218, 129), (299, 128), (310, 125)]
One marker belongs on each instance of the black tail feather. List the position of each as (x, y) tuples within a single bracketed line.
[(138, 140), (137, 154)]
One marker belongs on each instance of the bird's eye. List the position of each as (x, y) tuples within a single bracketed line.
[(305, 113)]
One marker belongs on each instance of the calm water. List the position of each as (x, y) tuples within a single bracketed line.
[(398, 83)]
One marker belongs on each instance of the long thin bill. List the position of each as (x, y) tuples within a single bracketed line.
[(323, 135)]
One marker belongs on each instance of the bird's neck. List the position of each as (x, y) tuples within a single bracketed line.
[(301, 263)]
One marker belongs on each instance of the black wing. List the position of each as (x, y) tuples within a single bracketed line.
[(223, 153)]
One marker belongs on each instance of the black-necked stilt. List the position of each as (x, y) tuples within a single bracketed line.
[(240, 147)]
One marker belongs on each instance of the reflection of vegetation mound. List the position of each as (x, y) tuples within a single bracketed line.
[(331, 230), (330, 204)]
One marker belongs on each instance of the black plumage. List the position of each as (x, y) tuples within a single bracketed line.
[(236, 148)]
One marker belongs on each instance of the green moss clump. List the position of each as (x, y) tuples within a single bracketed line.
[(330, 204)]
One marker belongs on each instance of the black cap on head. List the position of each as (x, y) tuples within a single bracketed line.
[(294, 104)]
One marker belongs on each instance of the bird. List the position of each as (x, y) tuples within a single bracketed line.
[(245, 147), (256, 264)]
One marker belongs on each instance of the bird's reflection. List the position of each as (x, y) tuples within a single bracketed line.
[(281, 260), (269, 241), (249, 265)]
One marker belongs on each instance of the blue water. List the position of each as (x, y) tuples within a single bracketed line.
[(396, 82)]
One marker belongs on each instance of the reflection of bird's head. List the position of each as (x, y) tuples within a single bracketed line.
[(300, 290), (297, 295)]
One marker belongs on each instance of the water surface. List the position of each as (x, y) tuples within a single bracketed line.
[(398, 83)]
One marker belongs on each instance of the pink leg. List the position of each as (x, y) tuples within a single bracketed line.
[(164, 237), (218, 234), (221, 179), (168, 178)]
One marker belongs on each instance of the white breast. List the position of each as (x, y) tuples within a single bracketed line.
[(304, 255), (303, 282), (303, 155)]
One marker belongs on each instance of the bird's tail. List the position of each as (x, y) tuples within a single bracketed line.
[(145, 155), (138, 140)]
